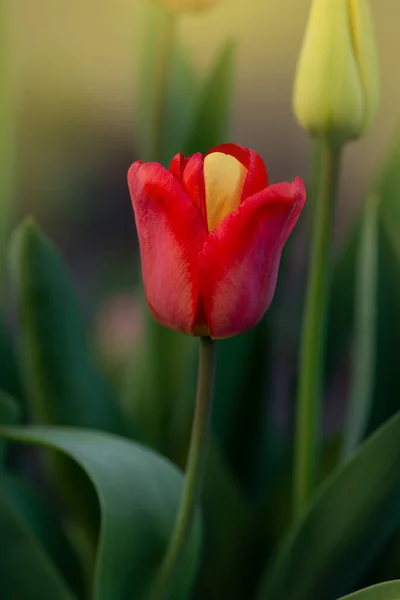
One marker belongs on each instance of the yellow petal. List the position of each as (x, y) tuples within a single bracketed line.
[(224, 177)]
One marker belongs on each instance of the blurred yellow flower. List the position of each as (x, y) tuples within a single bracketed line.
[(336, 88)]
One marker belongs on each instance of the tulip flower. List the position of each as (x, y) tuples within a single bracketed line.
[(336, 90), (211, 232)]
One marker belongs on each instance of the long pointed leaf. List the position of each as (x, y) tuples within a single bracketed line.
[(384, 591), (45, 525), (212, 112), (26, 573), (138, 492), (363, 364), (347, 523), (10, 414), (64, 386), (9, 373)]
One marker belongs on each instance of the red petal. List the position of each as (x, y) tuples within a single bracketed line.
[(189, 171), (193, 182), (178, 164), (171, 233), (257, 177), (238, 265)]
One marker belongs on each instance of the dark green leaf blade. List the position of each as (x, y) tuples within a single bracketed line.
[(386, 393), (341, 316), (347, 523), (26, 573), (10, 414), (168, 85), (226, 527), (45, 526), (242, 372), (159, 389), (9, 410), (64, 386), (365, 317), (180, 97), (139, 492), (9, 373), (388, 185), (384, 591), (212, 111)]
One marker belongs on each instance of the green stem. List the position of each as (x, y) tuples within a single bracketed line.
[(165, 52), (194, 470), (312, 348), (362, 384)]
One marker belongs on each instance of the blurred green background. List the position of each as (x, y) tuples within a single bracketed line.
[(76, 68)]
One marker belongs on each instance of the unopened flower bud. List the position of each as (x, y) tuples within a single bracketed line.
[(337, 84)]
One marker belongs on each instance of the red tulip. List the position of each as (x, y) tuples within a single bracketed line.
[(211, 232)]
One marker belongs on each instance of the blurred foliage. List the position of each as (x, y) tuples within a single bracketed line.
[(340, 528), (385, 591), (93, 519), (145, 510), (386, 401)]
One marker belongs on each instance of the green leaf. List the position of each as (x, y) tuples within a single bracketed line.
[(9, 410), (10, 414), (242, 371), (45, 526), (348, 521), (159, 389), (168, 85), (384, 591), (226, 529), (212, 112), (386, 397), (386, 188), (26, 572), (180, 97), (388, 341), (9, 375), (363, 364), (341, 305), (64, 386), (386, 565), (139, 493)]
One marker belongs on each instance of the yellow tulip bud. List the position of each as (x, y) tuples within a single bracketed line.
[(187, 5), (336, 89)]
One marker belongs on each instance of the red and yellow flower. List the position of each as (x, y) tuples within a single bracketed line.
[(211, 232)]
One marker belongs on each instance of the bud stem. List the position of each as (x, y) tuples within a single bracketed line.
[(312, 350), (194, 470)]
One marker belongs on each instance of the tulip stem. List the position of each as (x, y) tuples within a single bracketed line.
[(194, 470), (165, 51), (312, 348)]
